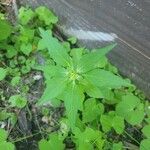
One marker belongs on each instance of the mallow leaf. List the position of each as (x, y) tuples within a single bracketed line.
[(54, 142), (117, 146), (7, 146), (73, 100), (146, 131), (87, 139), (131, 109), (54, 87), (90, 61), (111, 120), (25, 15), (18, 101), (55, 48), (92, 110), (45, 15), (145, 144), (105, 79)]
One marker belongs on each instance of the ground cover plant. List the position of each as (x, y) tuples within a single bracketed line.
[(55, 95)]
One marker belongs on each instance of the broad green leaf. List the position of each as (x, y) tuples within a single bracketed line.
[(73, 40), (145, 144), (118, 124), (11, 51), (4, 115), (146, 131), (111, 120), (3, 73), (54, 87), (44, 145), (106, 122), (26, 48), (76, 54), (105, 79), (117, 146), (56, 50), (87, 139), (6, 146), (54, 143), (18, 101), (131, 109), (52, 71), (91, 60), (45, 15), (3, 135), (26, 35), (91, 90), (5, 29), (25, 15), (15, 80), (91, 113), (73, 100)]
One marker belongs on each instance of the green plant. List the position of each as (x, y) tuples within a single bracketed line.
[(102, 110), (3, 141), (71, 76)]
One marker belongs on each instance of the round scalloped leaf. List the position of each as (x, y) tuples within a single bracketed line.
[(131, 109), (145, 144), (2, 73)]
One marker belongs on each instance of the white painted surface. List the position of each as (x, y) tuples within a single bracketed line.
[(91, 35)]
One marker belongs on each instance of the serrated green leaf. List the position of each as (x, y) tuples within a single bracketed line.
[(11, 51), (52, 71), (117, 146), (3, 135), (73, 100), (25, 15), (146, 131), (73, 40), (105, 79), (44, 145), (3, 73), (91, 90), (26, 35), (76, 54), (5, 29), (46, 15), (26, 48), (54, 143), (6, 146), (54, 87), (145, 144), (56, 50), (111, 120), (106, 122), (4, 115), (18, 101), (90, 61), (131, 109), (91, 113), (15, 80), (118, 124), (87, 139)]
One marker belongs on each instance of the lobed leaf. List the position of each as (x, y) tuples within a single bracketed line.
[(54, 87), (105, 79), (56, 49), (90, 61), (73, 100)]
